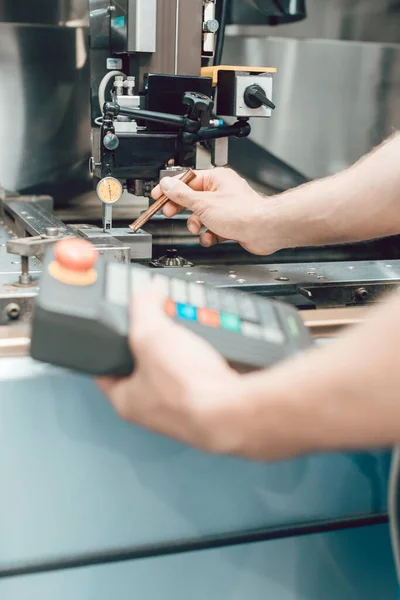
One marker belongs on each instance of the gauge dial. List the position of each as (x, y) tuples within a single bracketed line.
[(109, 190)]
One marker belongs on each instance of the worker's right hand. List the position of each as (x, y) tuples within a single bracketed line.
[(225, 205)]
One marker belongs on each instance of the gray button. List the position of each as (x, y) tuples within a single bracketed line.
[(248, 308), (229, 302), (213, 299)]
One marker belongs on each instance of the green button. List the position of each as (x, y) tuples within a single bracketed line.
[(293, 326), (230, 322)]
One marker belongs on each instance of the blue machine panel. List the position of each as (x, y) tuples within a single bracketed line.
[(347, 565), (76, 479)]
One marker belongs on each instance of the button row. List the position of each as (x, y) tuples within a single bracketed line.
[(217, 308), (221, 320)]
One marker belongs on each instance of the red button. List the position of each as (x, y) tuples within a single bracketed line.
[(207, 317), (76, 255), (170, 308)]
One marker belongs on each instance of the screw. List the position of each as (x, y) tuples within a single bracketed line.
[(232, 276), (311, 273), (13, 310), (321, 277), (281, 278), (273, 270), (241, 281), (25, 278), (361, 294)]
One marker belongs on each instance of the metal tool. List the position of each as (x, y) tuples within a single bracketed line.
[(186, 177)]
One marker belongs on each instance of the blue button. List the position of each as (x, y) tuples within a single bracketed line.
[(186, 312)]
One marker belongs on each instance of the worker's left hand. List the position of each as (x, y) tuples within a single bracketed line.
[(181, 386)]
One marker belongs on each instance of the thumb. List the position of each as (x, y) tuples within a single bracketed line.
[(179, 192)]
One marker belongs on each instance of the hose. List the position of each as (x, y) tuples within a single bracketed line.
[(103, 86)]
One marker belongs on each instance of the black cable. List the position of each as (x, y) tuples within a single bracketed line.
[(221, 34)]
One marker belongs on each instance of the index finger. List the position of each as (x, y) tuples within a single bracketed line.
[(197, 184)]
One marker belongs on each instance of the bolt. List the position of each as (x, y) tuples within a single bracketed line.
[(13, 310), (273, 270), (241, 281), (321, 277), (361, 294), (52, 232), (25, 278), (281, 278), (311, 273), (232, 276), (199, 281)]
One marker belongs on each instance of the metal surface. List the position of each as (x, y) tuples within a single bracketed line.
[(324, 566), (151, 489), (44, 115), (179, 39), (45, 12), (284, 277), (35, 219), (322, 124), (133, 26), (352, 20), (139, 243)]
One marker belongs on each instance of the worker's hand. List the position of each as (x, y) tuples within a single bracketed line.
[(225, 204), (181, 386)]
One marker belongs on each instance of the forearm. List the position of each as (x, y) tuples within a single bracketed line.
[(344, 395), (360, 203)]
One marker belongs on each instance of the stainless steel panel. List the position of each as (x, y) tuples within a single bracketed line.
[(44, 109), (44, 12), (358, 20), (334, 100), (134, 26)]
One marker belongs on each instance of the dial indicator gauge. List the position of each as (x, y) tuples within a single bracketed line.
[(109, 190)]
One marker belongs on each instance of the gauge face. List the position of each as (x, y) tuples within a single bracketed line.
[(109, 190)]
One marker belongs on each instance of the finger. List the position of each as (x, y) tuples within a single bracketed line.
[(208, 239), (198, 183), (179, 192), (194, 224), (106, 384), (171, 209), (147, 316)]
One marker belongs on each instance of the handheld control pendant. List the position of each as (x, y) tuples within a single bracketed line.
[(81, 317)]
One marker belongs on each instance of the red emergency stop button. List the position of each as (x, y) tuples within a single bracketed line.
[(76, 255), (74, 262)]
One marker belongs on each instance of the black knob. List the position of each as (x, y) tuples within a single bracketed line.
[(111, 109), (197, 103), (255, 97)]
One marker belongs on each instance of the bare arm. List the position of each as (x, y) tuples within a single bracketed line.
[(360, 203), (346, 395)]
